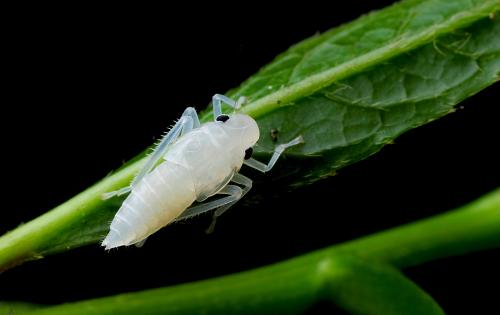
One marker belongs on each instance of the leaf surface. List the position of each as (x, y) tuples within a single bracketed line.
[(356, 88), (348, 91)]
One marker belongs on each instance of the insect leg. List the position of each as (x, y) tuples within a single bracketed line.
[(184, 125), (119, 192), (234, 192), (191, 112), (253, 163), (238, 179), (218, 99)]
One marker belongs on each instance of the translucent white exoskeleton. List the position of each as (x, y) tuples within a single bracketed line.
[(191, 163)]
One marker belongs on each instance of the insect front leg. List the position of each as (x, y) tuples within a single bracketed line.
[(253, 163), (218, 99), (188, 121)]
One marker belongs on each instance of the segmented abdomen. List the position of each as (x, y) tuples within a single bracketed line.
[(155, 201)]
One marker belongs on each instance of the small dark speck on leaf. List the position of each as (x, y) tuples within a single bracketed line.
[(274, 134)]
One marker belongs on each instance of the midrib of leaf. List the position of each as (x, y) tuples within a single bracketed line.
[(287, 95)]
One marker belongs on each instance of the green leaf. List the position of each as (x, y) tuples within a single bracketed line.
[(356, 88), (355, 275), (348, 91)]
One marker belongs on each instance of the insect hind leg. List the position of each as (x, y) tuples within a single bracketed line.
[(188, 121), (191, 112)]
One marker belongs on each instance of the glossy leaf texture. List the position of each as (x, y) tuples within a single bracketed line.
[(348, 91), (356, 88)]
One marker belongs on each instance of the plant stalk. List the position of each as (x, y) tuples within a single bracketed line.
[(291, 286)]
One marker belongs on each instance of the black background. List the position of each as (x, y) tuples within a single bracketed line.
[(88, 88)]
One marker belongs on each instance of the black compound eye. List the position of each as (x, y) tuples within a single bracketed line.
[(222, 118), (248, 153)]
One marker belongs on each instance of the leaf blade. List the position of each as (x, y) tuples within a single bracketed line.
[(355, 117), (351, 130), (352, 57)]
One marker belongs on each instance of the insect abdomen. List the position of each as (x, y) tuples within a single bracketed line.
[(156, 200)]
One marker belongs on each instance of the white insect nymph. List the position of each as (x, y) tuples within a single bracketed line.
[(191, 163)]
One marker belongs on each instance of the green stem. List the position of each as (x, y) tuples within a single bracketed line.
[(293, 285), (472, 227), (27, 242)]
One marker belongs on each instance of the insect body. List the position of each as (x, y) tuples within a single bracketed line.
[(191, 163)]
